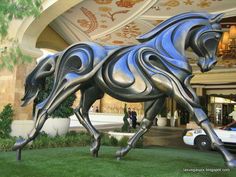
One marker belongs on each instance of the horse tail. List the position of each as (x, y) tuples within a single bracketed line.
[(35, 80)]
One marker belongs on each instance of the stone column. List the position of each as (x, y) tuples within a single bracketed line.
[(7, 88), (12, 90), (21, 113)]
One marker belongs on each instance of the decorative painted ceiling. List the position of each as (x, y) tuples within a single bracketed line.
[(103, 20), (166, 8), (119, 22)]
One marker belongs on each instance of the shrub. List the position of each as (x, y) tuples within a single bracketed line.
[(139, 143), (123, 141), (6, 117), (113, 141), (84, 140), (105, 139), (71, 139), (72, 133), (42, 141), (6, 144)]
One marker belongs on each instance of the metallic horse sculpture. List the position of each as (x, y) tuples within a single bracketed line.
[(147, 72)]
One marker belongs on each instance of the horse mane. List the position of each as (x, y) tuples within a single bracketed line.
[(171, 21), (171, 38)]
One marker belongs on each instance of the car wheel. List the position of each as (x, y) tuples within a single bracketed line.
[(203, 143)]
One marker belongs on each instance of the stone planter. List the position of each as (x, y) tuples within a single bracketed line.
[(56, 126), (161, 121), (21, 128), (120, 135)]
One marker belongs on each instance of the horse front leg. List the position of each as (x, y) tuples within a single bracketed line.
[(202, 120), (216, 143), (180, 92), (151, 109), (84, 120)]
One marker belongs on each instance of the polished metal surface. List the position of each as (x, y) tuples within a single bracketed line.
[(147, 72)]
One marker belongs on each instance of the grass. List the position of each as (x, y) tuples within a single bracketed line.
[(77, 162)]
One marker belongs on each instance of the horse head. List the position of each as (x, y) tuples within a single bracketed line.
[(204, 42), (199, 31), (35, 80)]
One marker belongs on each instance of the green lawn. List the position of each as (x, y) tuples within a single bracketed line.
[(77, 162)]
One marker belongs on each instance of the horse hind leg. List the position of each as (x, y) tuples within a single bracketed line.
[(88, 97), (151, 109)]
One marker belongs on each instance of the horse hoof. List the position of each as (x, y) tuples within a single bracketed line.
[(118, 158), (95, 148), (123, 151), (15, 147), (95, 154), (19, 144), (118, 154), (231, 164)]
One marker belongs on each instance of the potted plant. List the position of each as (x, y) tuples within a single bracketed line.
[(58, 122), (162, 119)]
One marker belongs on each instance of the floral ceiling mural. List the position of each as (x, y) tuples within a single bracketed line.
[(126, 35), (172, 7), (119, 22), (94, 16)]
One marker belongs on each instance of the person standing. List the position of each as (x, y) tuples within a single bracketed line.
[(97, 110), (134, 118), (130, 117), (126, 126)]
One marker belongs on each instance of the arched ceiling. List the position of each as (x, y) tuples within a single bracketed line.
[(119, 22)]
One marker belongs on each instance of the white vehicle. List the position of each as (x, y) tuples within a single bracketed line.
[(199, 139)]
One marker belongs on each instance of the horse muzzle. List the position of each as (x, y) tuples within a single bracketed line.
[(207, 64), (29, 96)]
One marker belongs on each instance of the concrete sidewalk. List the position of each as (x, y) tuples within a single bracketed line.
[(99, 119), (102, 128)]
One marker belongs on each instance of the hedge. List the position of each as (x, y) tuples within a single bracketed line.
[(69, 140)]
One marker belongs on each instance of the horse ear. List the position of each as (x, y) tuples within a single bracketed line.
[(216, 18)]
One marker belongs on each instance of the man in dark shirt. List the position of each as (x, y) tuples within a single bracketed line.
[(134, 118)]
